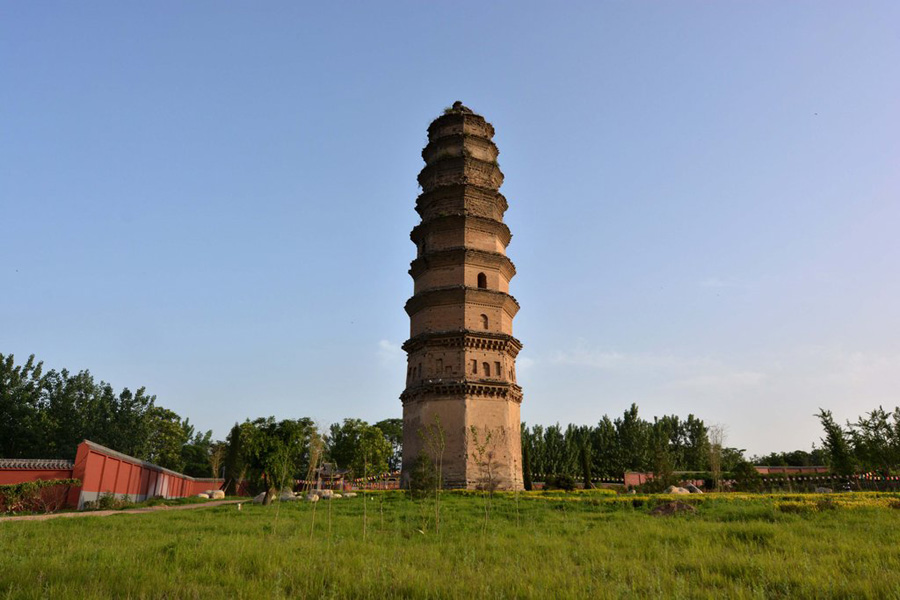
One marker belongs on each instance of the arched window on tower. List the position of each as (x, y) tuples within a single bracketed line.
[(484, 321), (474, 367), (487, 369), (482, 281)]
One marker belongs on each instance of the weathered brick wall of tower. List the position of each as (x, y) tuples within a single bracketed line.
[(461, 370)]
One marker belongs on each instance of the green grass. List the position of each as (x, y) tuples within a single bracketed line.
[(544, 545)]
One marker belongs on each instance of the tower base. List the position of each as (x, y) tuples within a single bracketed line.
[(474, 441)]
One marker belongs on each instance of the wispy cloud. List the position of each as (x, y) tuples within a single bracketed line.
[(726, 379), (390, 354), (667, 371), (524, 363), (583, 355)]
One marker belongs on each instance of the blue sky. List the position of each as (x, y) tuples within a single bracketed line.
[(214, 200)]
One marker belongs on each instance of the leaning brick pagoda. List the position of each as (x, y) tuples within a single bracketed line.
[(461, 353)]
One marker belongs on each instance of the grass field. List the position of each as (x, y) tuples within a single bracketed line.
[(536, 545)]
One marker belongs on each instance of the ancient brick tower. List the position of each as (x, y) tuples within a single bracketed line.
[(461, 353)]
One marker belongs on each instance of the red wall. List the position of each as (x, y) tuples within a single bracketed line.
[(22, 475), (105, 471)]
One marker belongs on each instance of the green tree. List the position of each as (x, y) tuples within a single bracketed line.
[(586, 465), (372, 453), (360, 447), (633, 437), (21, 422), (343, 441), (836, 444), (660, 441), (393, 433), (526, 467), (276, 452), (605, 449), (554, 450), (876, 441), (196, 452), (167, 438), (746, 477), (696, 448), (235, 465)]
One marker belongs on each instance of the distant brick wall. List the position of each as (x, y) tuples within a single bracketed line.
[(768, 470), (633, 478)]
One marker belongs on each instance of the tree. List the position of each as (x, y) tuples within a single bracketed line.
[(276, 452), (633, 434), (716, 441), (876, 441), (343, 441), (586, 465), (393, 433), (696, 449), (663, 468), (235, 467), (526, 464), (372, 453), (217, 453), (20, 408), (605, 449), (196, 452), (747, 478), (836, 444), (554, 450), (794, 458), (167, 438), (361, 447), (48, 415)]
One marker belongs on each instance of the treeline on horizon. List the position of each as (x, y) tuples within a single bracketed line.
[(47, 414)]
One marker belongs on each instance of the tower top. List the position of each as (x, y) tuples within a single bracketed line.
[(459, 107)]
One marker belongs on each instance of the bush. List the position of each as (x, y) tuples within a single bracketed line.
[(43, 495), (108, 501), (797, 508), (560, 482), (826, 504), (747, 478), (422, 477)]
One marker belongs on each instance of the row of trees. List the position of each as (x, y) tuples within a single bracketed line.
[(271, 454), (871, 444), (47, 414), (627, 443)]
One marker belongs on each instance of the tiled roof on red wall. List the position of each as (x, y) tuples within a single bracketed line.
[(32, 464)]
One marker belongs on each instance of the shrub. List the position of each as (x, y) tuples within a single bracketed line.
[(43, 495), (108, 501), (560, 482), (747, 478), (422, 477), (826, 504), (797, 508)]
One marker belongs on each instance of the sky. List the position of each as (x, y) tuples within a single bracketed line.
[(214, 200)]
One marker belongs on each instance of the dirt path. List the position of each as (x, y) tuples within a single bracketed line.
[(130, 511)]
